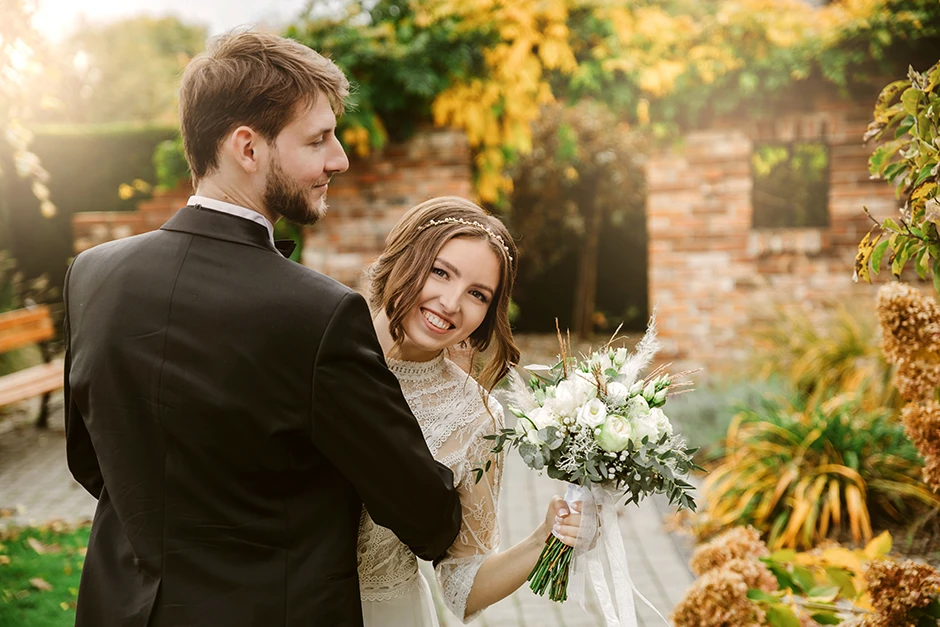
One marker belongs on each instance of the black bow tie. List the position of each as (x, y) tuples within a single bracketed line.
[(285, 246)]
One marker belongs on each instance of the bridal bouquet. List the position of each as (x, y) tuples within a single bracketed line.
[(597, 424)]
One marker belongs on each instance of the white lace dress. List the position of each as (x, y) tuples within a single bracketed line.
[(450, 409)]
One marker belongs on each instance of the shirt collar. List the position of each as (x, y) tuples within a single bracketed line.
[(235, 210)]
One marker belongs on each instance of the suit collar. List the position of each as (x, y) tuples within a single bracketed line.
[(220, 226)]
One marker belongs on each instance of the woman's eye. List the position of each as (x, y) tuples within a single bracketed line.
[(439, 272), (480, 296)]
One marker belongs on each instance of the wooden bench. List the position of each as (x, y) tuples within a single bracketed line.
[(24, 327)]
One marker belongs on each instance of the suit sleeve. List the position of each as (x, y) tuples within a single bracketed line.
[(82, 460), (363, 424)]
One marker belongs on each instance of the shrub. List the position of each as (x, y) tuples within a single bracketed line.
[(799, 474)]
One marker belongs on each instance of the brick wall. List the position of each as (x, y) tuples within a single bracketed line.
[(365, 202), (714, 278)]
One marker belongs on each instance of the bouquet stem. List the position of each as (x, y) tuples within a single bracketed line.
[(551, 570)]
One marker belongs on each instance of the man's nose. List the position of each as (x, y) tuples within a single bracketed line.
[(337, 161)]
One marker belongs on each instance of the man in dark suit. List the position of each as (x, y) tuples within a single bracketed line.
[(230, 409)]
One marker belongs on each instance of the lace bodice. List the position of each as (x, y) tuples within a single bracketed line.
[(453, 417)]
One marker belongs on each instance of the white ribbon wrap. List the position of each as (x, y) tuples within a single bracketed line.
[(599, 560)]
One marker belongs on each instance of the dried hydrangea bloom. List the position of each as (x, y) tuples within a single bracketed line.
[(922, 423), (755, 573), (910, 325), (736, 543), (897, 587), (718, 599)]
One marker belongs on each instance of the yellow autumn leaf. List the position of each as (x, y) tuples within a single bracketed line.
[(862, 259), (840, 556), (878, 547), (125, 191)]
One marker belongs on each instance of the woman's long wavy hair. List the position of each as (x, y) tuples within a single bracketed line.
[(397, 277)]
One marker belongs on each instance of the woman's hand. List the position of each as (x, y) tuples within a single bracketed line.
[(563, 521)]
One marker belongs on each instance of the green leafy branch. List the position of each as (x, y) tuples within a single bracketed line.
[(908, 111)]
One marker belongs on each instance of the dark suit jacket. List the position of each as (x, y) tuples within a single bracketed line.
[(232, 412)]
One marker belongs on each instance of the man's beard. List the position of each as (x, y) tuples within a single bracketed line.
[(283, 196)]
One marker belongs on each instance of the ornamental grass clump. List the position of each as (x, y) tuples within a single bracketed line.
[(800, 475)]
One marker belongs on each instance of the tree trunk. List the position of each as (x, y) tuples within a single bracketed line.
[(586, 290)]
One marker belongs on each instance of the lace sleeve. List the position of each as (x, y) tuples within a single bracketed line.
[(479, 530)]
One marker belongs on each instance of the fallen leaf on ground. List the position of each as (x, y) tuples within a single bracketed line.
[(4, 560), (40, 584), (41, 548)]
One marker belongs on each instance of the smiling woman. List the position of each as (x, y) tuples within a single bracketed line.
[(444, 280)]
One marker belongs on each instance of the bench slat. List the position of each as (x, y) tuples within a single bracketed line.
[(25, 326), (31, 382)]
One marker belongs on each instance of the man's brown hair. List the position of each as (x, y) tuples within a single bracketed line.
[(253, 79)]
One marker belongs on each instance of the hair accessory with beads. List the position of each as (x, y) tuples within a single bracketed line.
[(480, 226)]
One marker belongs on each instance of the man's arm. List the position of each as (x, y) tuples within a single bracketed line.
[(363, 424), (82, 460)]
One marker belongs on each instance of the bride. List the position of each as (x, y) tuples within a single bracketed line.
[(444, 282)]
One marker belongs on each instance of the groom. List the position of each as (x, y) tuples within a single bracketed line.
[(231, 410)]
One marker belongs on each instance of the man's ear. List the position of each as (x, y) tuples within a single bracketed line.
[(247, 148)]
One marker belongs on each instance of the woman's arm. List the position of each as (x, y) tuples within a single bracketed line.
[(503, 573), (473, 575)]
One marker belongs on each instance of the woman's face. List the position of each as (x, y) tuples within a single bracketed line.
[(456, 296)]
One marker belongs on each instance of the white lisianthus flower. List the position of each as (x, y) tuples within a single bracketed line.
[(617, 394), (620, 357), (615, 434), (593, 413), (662, 422)]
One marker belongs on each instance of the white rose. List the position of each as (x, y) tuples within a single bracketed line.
[(542, 417), (617, 394), (645, 426), (615, 434), (585, 387), (593, 413), (662, 422), (602, 360)]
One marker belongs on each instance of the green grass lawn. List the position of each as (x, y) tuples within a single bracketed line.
[(39, 573)]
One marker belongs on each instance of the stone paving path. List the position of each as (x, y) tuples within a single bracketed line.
[(35, 487)]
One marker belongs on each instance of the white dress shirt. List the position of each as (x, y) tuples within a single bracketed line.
[(235, 210)]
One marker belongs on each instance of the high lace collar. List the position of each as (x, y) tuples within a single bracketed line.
[(416, 369)]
